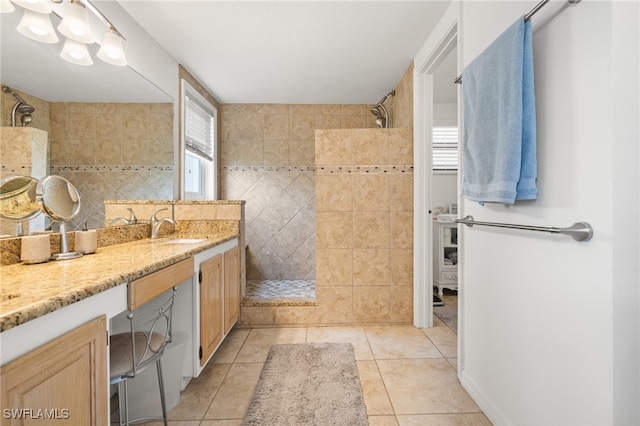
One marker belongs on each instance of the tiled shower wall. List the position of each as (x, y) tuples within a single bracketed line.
[(364, 226), (267, 156), (112, 151)]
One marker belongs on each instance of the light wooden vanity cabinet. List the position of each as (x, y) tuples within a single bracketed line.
[(63, 381), (231, 288), (218, 273), (211, 303)]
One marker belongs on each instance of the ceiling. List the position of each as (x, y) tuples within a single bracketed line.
[(297, 52)]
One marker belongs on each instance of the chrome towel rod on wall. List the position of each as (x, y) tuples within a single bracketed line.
[(528, 16), (580, 231)]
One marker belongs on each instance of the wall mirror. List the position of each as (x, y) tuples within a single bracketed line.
[(38, 70)]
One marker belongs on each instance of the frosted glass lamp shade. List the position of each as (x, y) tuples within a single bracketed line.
[(6, 6), (111, 50), (75, 24), (40, 6), (76, 53), (37, 26)]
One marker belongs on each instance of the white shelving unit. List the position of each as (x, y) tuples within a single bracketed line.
[(445, 255)]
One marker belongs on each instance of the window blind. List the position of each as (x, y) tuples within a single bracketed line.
[(445, 148), (199, 127)]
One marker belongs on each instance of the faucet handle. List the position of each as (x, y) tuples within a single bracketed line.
[(154, 218), (132, 217)]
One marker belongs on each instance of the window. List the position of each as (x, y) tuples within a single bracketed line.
[(445, 148), (199, 156)]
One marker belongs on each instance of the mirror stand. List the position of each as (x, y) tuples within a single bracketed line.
[(64, 246)]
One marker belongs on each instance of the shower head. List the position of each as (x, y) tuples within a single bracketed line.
[(21, 107), (25, 108), (375, 111)]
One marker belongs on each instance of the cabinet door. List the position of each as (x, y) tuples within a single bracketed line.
[(210, 307), (61, 382), (231, 288)]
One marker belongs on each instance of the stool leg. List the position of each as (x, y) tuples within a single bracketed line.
[(161, 384), (123, 406)]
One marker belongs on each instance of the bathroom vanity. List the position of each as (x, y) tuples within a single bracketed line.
[(55, 318)]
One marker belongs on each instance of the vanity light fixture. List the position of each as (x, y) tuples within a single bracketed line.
[(37, 26), (75, 26), (40, 6), (111, 50), (76, 53), (6, 6)]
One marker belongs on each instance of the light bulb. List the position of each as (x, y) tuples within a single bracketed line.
[(37, 26)]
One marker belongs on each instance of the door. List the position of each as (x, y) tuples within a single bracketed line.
[(211, 306)]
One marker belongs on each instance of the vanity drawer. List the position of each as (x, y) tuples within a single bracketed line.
[(153, 285)]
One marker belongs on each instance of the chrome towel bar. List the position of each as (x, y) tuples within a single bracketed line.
[(580, 231), (528, 16)]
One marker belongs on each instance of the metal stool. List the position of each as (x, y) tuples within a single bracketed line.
[(145, 343)]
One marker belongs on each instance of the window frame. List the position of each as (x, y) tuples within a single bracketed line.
[(210, 171)]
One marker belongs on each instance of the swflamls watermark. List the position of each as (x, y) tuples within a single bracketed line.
[(36, 413)]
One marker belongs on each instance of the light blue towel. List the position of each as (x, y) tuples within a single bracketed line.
[(500, 120)]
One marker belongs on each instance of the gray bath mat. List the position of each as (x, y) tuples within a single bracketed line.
[(308, 384)]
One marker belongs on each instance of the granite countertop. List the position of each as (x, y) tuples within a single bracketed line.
[(30, 291)]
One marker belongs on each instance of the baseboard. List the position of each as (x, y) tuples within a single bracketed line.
[(489, 410)]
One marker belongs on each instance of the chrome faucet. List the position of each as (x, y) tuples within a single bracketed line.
[(131, 221), (157, 223)]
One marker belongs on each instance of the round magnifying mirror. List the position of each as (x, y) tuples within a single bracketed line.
[(61, 202), (60, 199), (18, 198)]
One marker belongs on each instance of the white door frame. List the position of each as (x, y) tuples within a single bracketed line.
[(439, 43)]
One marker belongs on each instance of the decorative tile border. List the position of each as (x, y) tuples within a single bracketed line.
[(324, 169), (268, 168), (114, 168), (364, 169)]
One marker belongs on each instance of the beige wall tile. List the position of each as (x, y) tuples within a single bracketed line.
[(276, 127), (401, 304), (328, 121), (333, 147), (401, 267), (370, 230), (333, 267), (401, 228), (401, 146), (207, 212), (328, 109), (276, 152), (370, 147), (401, 196), (371, 267), (334, 229), (335, 305), (333, 192), (371, 304), (109, 151), (302, 153), (371, 192), (353, 122), (302, 127)]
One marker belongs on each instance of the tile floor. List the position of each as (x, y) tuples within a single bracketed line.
[(408, 375)]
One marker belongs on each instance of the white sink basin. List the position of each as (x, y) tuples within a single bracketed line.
[(184, 241)]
